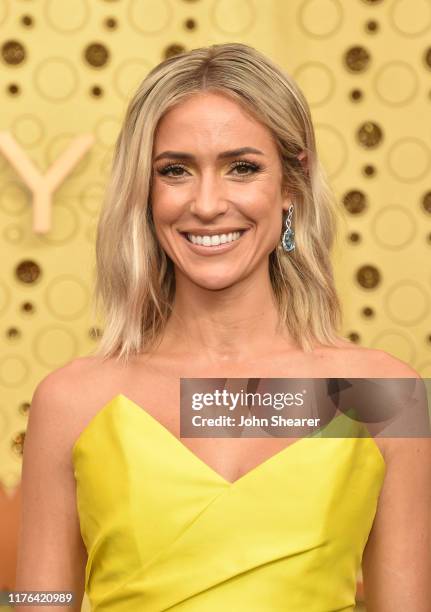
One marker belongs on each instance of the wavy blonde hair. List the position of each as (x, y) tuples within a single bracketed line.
[(135, 279)]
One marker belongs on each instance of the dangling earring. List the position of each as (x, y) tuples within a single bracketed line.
[(287, 240)]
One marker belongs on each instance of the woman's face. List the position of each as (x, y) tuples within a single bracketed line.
[(204, 185)]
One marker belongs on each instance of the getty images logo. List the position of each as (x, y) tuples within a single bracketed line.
[(232, 400)]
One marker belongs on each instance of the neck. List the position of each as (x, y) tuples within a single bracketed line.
[(233, 324)]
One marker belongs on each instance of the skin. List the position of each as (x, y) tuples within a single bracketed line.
[(223, 324)]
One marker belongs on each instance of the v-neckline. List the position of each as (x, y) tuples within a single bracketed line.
[(278, 456), (229, 483)]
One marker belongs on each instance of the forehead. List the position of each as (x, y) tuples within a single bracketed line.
[(211, 118)]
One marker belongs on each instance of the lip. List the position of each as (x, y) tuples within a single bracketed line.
[(212, 232), (213, 250)]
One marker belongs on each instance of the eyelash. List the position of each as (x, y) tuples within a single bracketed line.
[(237, 164)]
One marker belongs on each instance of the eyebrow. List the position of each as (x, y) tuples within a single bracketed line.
[(223, 155)]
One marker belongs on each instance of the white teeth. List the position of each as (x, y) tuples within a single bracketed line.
[(214, 240)]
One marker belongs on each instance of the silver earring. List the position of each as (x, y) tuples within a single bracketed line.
[(287, 240)]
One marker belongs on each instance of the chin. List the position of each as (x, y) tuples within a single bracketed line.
[(214, 284)]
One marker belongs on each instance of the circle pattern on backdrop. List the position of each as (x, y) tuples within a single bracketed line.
[(369, 112)]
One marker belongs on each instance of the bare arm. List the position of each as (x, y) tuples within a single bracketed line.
[(396, 564), (51, 553)]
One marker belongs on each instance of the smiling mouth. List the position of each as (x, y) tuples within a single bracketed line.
[(207, 240)]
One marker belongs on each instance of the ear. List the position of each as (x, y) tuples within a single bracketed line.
[(287, 201), (304, 160)]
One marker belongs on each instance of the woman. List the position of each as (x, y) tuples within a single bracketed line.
[(213, 260)]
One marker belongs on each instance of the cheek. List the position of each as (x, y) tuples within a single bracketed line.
[(264, 204), (265, 210), (166, 203)]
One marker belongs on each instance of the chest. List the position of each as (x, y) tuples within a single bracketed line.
[(156, 389)]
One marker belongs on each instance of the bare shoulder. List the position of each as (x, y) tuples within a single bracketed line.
[(75, 379), (381, 364), (366, 362), (376, 363), (347, 359), (64, 384), (65, 399), (397, 368)]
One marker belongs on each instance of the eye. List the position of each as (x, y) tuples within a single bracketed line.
[(245, 169), (169, 168), (243, 165)]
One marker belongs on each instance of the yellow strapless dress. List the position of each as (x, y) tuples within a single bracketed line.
[(164, 531)]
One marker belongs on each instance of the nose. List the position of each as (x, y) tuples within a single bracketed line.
[(208, 199)]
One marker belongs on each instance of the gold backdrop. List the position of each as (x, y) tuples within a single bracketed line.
[(68, 68)]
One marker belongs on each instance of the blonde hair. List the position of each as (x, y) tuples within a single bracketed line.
[(135, 280)]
